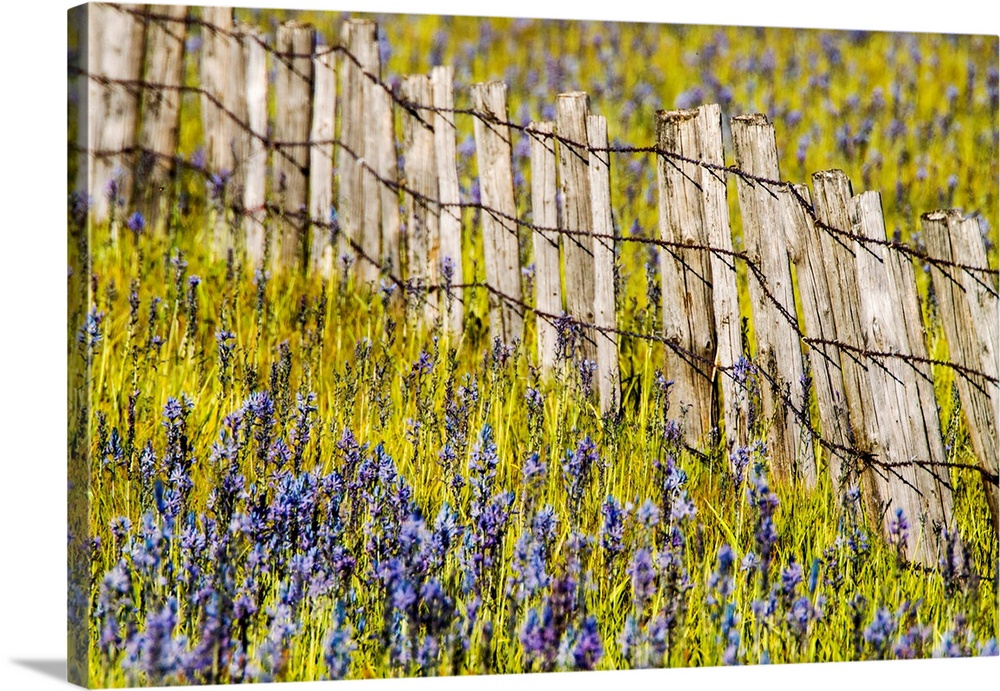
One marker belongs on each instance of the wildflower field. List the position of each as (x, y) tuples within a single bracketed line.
[(294, 478)]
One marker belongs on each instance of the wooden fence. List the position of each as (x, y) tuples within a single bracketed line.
[(856, 345)]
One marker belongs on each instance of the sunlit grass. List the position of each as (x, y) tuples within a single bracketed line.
[(358, 350)]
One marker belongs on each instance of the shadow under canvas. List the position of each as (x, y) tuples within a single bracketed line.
[(55, 668)]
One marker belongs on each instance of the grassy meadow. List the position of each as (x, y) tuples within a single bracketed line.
[(295, 478)]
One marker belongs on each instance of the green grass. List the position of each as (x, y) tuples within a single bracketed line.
[(356, 352)]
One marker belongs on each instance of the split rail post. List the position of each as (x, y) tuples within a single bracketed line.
[(832, 194), (779, 353), (968, 308), (605, 333), (293, 91), (115, 56), (321, 135), (161, 108), (235, 102), (933, 479), (902, 435), (254, 57), (494, 160), (688, 321), (84, 92), (356, 35), (381, 234), (545, 243), (224, 118), (450, 220), (216, 66), (725, 296), (819, 327), (572, 109), (421, 197)]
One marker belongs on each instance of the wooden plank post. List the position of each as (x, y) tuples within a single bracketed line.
[(158, 131), (608, 374), (572, 109), (422, 209), (321, 248), (218, 115), (84, 91), (779, 354), (236, 117), (254, 58), (855, 404), (904, 439), (380, 237), (118, 45), (216, 64), (832, 195), (545, 244), (688, 322), (725, 298), (450, 228), (293, 91), (968, 308), (494, 159), (819, 324), (355, 37), (933, 479)]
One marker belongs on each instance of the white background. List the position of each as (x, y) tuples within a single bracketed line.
[(32, 328)]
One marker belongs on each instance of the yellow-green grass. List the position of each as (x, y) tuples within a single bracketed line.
[(381, 408)]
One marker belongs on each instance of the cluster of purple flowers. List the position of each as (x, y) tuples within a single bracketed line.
[(219, 590)]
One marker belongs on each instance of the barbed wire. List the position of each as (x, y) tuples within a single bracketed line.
[(410, 288), (850, 454), (753, 267), (573, 146)]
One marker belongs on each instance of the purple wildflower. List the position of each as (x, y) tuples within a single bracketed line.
[(136, 223), (577, 466), (588, 649), (720, 583), (643, 578), (791, 577), (881, 631), (613, 526)]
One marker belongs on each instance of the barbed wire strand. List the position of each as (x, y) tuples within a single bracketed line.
[(410, 288)]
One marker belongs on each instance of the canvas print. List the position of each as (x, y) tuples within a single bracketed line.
[(428, 345)]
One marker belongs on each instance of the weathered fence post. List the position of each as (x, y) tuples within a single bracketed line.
[(158, 131), (236, 118), (84, 91), (450, 228), (496, 178), (116, 46), (819, 325), (216, 63), (688, 322), (572, 109), (321, 251), (968, 307), (725, 298), (933, 479), (293, 91), (545, 244), (421, 198), (853, 398), (905, 441), (222, 95), (779, 354), (356, 35), (381, 237), (608, 376), (254, 58)]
